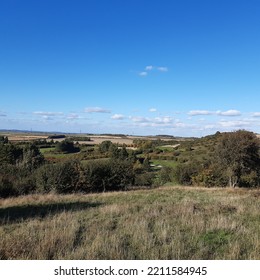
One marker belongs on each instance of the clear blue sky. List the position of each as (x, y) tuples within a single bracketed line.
[(186, 68)]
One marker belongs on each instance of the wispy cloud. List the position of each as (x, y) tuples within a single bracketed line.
[(73, 116), (96, 110), (200, 112), (2, 115), (256, 114), (152, 110), (162, 69), (229, 113), (234, 124), (118, 117), (154, 122), (41, 113), (163, 120), (139, 119), (150, 68), (143, 74)]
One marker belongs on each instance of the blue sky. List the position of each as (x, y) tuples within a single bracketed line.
[(184, 68)]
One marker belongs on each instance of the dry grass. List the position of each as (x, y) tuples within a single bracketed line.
[(165, 223)]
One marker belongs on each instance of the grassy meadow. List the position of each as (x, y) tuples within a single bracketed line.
[(163, 223)]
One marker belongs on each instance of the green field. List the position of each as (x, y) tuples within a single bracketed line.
[(164, 223), (47, 150), (50, 153), (164, 163)]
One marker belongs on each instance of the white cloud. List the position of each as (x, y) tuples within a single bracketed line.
[(230, 124), (73, 116), (230, 113), (163, 120), (139, 119), (117, 117), (47, 118), (162, 69), (96, 110), (149, 68), (153, 110), (200, 112), (256, 114), (143, 74), (41, 113)]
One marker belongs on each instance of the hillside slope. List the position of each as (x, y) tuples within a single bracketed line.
[(164, 223)]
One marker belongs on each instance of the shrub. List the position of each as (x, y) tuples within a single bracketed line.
[(66, 146), (251, 179), (6, 188), (185, 172), (144, 179), (107, 175), (61, 177), (163, 176)]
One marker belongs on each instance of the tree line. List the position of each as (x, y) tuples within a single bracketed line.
[(233, 161)]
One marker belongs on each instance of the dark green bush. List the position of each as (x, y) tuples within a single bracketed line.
[(60, 177), (144, 179), (6, 188)]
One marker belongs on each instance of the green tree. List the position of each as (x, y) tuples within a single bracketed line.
[(10, 153), (3, 139), (105, 146), (238, 155), (61, 177), (66, 146), (32, 157)]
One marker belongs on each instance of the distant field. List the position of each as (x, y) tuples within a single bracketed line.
[(164, 223), (95, 139), (28, 137), (99, 139)]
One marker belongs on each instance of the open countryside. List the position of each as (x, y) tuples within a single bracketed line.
[(74, 198), (130, 130)]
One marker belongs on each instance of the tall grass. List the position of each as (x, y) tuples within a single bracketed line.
[(165, 223)]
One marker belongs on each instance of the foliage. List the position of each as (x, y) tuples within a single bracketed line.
[(79, 138), (3, 139), (164, 175), (108, 175), (56, 136), (238, 154), (145, 179), (66, 146), (32, 157), (10, 153), (185, 172), (60, 177)]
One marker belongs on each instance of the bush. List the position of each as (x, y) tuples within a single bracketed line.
[(60, 177), (6, 188), (25, 185), (144, 179), (251, 179), (66, 146), (185, 172), (163, 176), (107, 175)]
